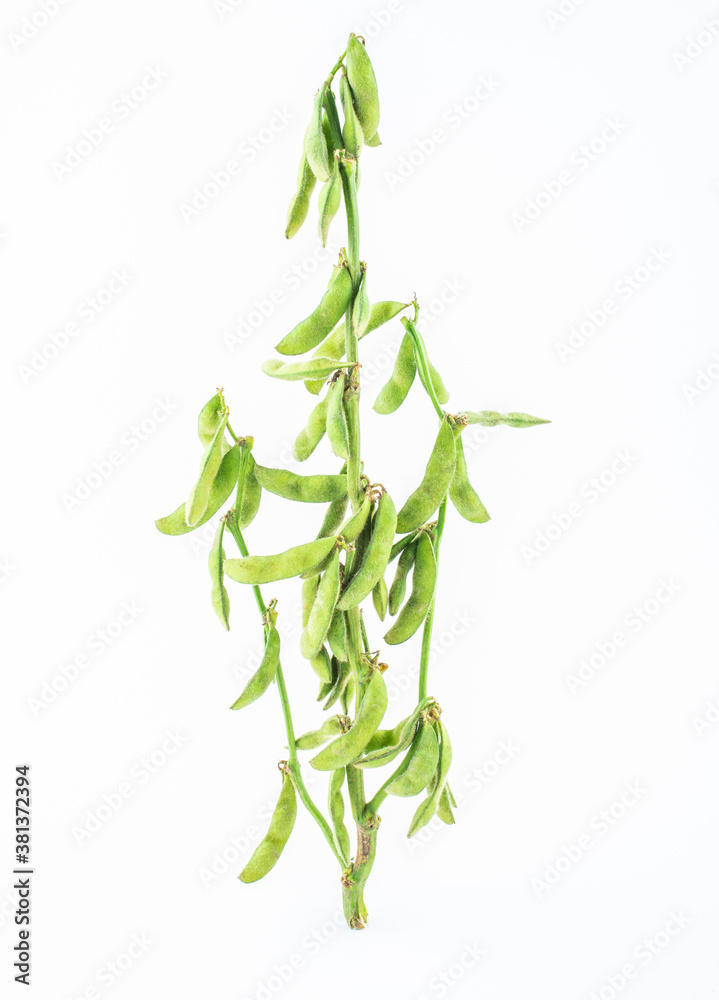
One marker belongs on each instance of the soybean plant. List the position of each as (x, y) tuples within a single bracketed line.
[(347, 566)]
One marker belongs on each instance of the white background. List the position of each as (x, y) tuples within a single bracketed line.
[(514, 623)]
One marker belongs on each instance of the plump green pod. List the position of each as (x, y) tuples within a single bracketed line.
[(351, 529), (210, 418), (199, 497), (333, 346), (437, 476), (351, 130), (322, 666), (364, 86), (304, 489), (300, 204), (315, 147), (309, 593), (334, 517), (375, 558), (323, 608), (251, 495), (283, 566), (490, 418), (462, 493), (312, 330), (374, 140), (318, 737), (399, 584), (336, 808), (393, 394), (428, 807), (380, 598), (215, 562), (419, 765), (311, 435), (329, 202), (337, 418), (423, 582), (349, 746), (297, 371), (361, 308), (267, 853), (222, 485), (383, 755), (337, 637), (444, 807), (340, 679), (265, 673)]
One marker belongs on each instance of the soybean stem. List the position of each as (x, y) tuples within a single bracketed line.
[(429, 620)]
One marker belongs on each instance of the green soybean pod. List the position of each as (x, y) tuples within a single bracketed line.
[(323, 608), (401, 544), (375, 558), (399, 584), (444, 807), (283, 566), (322, 666), (318, 737), (336, 420), (265, 673), (419, 765), (383, 738), (329, 201), (312, 330), (210, 418), (349, 746), (383, 755), (209, 467), (337, 637), (267, 853), (420, 600), (311, 435), (437, 477), (380, 598), (435, 378), (315, 147), (298, 371), (351, 529), (220, 597), (364, 85), (336, 808), (222, 485), (490, 418), (309, 593), (334, 517), (393, 394), (374, 140), (351, 130), (428, 807), (300, 204), (251, 495), (361, 308), (462, 493), (339, 683), (305, 489)]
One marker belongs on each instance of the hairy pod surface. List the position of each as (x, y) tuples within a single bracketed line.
[(394, 392), (351, 130), (315, 142), (311, 435), (210, 418), (417, 607), (265, 673), (364, 86), (375, 558), (337, 431), (222, 485), (304, 489), (298, 371), (336, 807), (399, 584), (428, 807), (251, 495), (437, 476), (199, 497), (312, 330), (462, 493), (320, 616), (300, 204), (419, 765), (318, 737), (349, 746), (329, 203), (282, 566), (215, 562), (268, 851)]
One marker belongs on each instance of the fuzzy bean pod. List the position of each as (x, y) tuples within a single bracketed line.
[(321, 665), (337, 431), (383, 755), (251, 495), (333, 518), (222, 485), (352, 528), (283, 566), (444, 807), (318, 737), (428, 807), (424, 578), (337, 637), (361, 308), (364, 86), (329, 203), (300, 204), (351, 130), (265, 673), (462, 493), (215, 562), (210, 418), (322, 610), (311, 435), (315, 147), (297, 371), (393, 394), (419, 765), (349, 746), (380, 598), (437, 477), (312, 330), (199, 497), (490, 418), (268, 851), (336, 808), (399, 584), (375, 558), (304, 489)]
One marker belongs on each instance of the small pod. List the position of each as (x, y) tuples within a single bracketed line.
[(329, 203), (323, 608), (336, 808), (300, 204), (364, 85), (251, 495), (210, 418), (209, 467), (361, 308), (318, 737), (333, 517), (297, 371), (444, 807), (419, 765), (394, 393), (322, 666), (399, 584), (311, 435), (462, 493), (490, 418), (380, 598), (312, 330), (337, 432), (351, 529), (425, 500), (428, 807), (351, 130), (315, 147), (375, 558), (304, 489), (282, 566), (216, 559), (222, 485), (383, 755), (265, 673), (267, 853), (350, 745), (337, 637), (420, 600)]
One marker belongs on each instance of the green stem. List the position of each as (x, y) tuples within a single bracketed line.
[(429, 620)]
